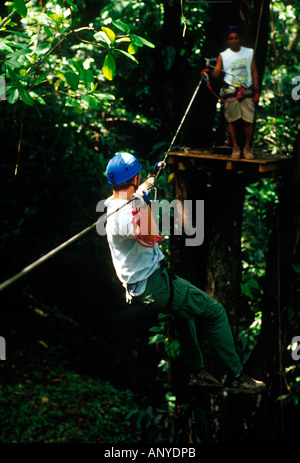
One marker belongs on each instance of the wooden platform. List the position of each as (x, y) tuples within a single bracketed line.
[(217, 158)]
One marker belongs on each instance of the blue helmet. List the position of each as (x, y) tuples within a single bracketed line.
[(232, 29), (122, 167)]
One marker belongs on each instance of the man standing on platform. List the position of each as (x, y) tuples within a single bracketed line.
[(241, 77)]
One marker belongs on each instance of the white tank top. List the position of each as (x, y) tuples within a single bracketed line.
[(238, 67)]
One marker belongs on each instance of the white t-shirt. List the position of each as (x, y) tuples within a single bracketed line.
[(238, 67), (133, 263)]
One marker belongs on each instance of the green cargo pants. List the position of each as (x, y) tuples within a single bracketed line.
[(189, 304)]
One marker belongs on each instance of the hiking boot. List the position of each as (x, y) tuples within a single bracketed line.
[(236, 152), (245, 384), (204, 379), (247, 154)]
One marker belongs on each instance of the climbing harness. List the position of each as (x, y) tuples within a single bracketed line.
[(140, 239), (240, 93), (104, 217)]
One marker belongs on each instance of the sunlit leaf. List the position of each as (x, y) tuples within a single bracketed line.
[(122, 26), (43, 343), (140, 41), (103, 37), (110, 33), (127, 54), (132, 49), (13, 96), (109, 67)]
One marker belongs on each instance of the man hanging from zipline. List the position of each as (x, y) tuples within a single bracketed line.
[(133, 238), (240, 89)]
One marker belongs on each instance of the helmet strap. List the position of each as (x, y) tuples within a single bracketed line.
[(135, 185)]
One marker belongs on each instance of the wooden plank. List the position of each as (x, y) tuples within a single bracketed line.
[(262, 163), (268, 168), (259, 158)]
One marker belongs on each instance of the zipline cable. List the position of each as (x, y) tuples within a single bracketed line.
[(103, 217), (179, 127), (54, 251)]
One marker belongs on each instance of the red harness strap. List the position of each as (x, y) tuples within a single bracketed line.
[(136, 220), (240, 92)]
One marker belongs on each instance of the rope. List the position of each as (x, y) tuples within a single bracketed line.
[(241, 91), (178, 130), (258, 26), (101, 219), (59, 248)]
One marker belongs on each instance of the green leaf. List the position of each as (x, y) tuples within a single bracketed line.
[(38, 98), (127, 54), (109, 67), (157, 338), (296, 267), (91, 101), (72, 79), (13, 96), (110, 33), (20, 7), (72, 4), (247, 291), (26, 98), (140, 41), (104, 96), (122, 26), (48, 31), (71, 102), (24, 95), (24, 51), (155, 329), (5, 47), (253, 284), (87, 76), (132, 49), (174, 348), (103, 37), (20, 34)]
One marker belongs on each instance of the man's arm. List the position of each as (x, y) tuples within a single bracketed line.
[(218, 68), (148, 227)]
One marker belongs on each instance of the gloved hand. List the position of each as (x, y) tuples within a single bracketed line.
[(158, 165), (143, 196), (146, 196), (256, 97)]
